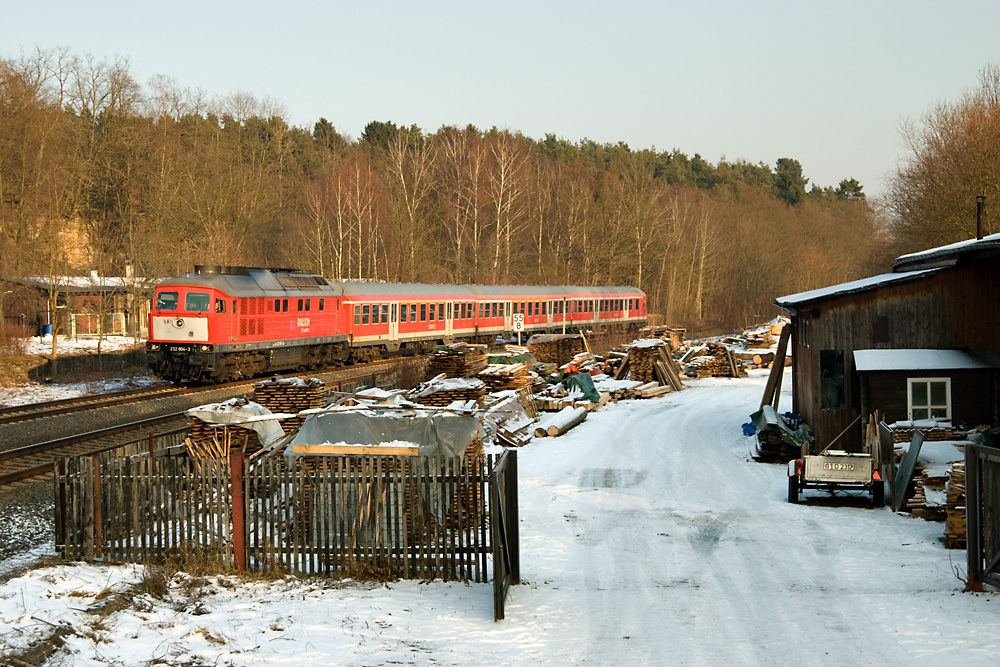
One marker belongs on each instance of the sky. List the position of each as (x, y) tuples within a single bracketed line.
[(829, 84)]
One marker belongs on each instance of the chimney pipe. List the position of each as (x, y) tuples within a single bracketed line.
[(980, 200)]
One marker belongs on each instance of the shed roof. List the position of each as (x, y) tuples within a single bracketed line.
[(792, 301), (945, 255), (924, 360)]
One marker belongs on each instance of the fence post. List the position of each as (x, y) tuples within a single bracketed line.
[(236, 460), (973, 512), (512, 518), (98, 511)]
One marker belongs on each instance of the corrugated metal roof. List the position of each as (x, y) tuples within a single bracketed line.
[(924, 360)]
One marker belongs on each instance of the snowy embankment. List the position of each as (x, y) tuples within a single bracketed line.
[(647, 538), (36, 392)]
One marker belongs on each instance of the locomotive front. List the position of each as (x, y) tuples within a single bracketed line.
[(181, 325)]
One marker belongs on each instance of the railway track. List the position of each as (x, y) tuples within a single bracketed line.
[(28, 411), (36, 460)]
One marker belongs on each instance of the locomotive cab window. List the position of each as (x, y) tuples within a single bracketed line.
[(284, 305), (166, 301), (321, 304), (308, 301), (300, 305), (197, 302), (220, 305)]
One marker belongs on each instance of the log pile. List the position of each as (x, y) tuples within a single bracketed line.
[(556, 349), (752, 360), (715, 360), (954, 523), (561, 422), (458, 360), (502, 377), (442, 392), (291, 395)]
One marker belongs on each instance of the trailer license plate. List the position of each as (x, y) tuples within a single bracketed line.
[(838, 466)]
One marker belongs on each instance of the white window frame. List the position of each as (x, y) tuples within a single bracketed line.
[(910, 382)]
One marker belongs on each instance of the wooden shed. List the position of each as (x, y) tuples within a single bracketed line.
[(938, 311)]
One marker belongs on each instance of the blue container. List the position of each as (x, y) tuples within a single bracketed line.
[(47, 330)]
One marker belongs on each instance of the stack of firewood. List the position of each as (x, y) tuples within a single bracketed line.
[(501, 377), (752, 360), (556, 349), (291, 395), (458, 360), (441, 391), (954, 523), (715, 360), (641, 359)]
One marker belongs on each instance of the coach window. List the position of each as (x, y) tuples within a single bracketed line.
[(413, 312), (441, 312), (433, 308), (461, 311), (385, 313), (357, 314), (423, 312), (365, 313), (544, 304), (402, 312)]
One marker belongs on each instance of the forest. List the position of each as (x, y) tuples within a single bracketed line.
[(97, 170)]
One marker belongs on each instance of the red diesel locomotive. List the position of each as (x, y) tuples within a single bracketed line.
[(225, 323)]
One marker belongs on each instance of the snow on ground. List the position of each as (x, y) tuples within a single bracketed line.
[(647, 538), (36, 392)]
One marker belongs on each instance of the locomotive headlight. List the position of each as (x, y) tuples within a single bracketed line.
[(206, 348), (152, 346)]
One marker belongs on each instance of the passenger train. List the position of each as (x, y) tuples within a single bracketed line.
[(224, 323)]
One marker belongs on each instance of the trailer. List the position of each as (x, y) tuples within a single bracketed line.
[(836, 470)]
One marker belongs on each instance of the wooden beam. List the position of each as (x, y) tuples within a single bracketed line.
[(773, 387)]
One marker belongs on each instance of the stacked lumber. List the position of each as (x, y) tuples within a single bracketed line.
[(503, 377), (902, 433), (556, 349), (755, 359), (442, 392), (673, 336), (458, 360), (926, 485), (641, 357), (555, 397), (290, 395), (954, 522), (771, 447), (716, 360)]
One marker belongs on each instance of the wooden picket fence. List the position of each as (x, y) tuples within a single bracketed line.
[(367, 516)]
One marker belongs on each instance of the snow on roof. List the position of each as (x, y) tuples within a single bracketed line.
[(923, 360), (850, 287), (991, 240)]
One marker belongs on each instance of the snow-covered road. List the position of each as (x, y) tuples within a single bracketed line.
[(647, 538)]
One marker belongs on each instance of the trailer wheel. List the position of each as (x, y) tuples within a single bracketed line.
[(878, 493), (793, 488)]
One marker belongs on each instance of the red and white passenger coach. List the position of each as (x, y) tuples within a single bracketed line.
[(224, 323)]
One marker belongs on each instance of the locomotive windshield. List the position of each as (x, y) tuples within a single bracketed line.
[(197, 302), (166, 301)]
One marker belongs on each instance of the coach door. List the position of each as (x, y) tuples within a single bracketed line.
[(394, 322), (449, 319)]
